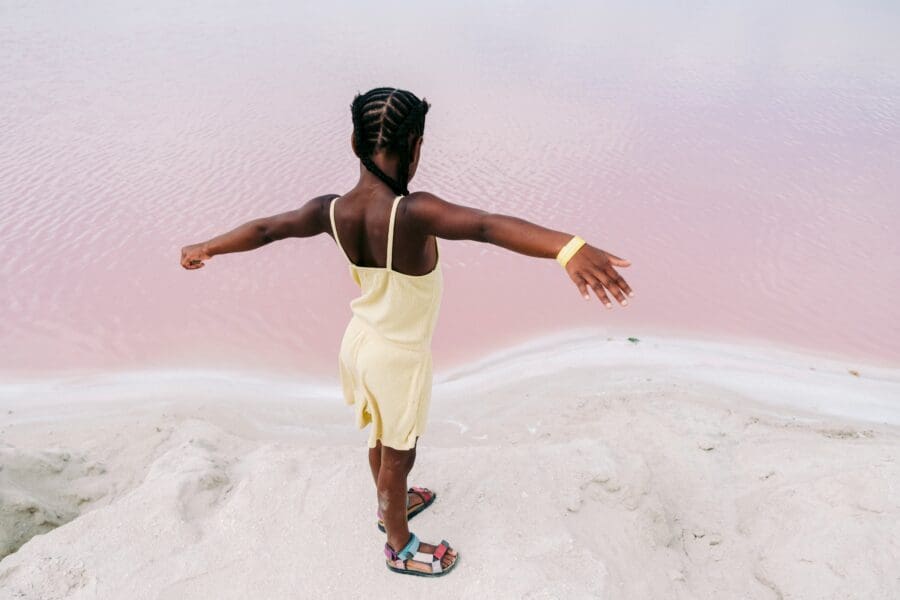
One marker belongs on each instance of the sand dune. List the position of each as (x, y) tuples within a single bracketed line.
[(571, 467)]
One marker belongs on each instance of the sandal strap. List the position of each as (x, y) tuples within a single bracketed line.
[(441, 550), (411, 547), (409, 550), (428, 559), (423, 493), (419, 490)]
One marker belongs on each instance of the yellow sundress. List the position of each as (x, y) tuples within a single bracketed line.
[(385, 355)]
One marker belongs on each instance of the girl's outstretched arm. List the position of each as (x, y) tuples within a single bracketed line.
[(589, 267), (308, 220)]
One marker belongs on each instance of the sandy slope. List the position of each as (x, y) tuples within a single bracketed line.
[(567, 468)]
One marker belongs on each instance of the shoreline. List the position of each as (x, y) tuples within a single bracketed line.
[(714, 361), (535, 340)]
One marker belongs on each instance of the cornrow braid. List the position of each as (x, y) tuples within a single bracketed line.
[(390, 119)]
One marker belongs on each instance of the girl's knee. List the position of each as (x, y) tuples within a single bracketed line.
[(395, 460)]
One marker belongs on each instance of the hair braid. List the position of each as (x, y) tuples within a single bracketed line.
[(402, 143), (390, 119)]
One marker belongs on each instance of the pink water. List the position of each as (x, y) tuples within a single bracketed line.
[(744, 156)]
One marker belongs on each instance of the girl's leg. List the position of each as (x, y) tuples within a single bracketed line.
[(375, 466), (394, 468), (375, 460), (391, 486)]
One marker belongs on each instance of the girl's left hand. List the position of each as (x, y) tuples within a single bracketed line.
[(594, 267), (192, 256)]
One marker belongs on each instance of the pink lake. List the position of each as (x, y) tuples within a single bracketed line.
[(745, 156)]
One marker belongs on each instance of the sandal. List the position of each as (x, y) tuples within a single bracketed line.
[(425, 494), (398, 561)]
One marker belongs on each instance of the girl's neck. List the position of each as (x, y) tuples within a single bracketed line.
[(387, 164)]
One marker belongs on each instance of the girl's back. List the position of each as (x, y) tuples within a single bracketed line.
[(394, 307), (361, 222)]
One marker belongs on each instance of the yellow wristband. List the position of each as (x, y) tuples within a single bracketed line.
[(569, 250)]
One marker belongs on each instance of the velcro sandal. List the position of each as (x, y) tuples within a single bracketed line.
[(410, 561)]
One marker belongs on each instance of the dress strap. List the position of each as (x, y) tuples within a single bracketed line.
[(389, 262), (334, 230)]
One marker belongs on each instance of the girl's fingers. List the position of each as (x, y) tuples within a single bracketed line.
[(597, 286), (612, 286), (582, 287), (191, 264), (619, 281)]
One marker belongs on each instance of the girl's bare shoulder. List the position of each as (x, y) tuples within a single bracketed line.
[(441, 217)]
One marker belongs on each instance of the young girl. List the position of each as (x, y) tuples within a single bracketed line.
[(389, 239)]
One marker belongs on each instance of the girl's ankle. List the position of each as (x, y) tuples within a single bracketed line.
[(397, 546)]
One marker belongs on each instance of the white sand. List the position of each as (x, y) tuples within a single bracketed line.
[(568, 468)]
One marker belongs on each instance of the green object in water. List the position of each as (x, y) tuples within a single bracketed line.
[(633, 340)]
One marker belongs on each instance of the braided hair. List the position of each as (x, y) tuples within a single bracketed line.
[(390, 119)]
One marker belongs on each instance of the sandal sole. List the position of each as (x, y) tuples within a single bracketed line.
[(420, 574)]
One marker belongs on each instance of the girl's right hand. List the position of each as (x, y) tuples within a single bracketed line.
[(593, 267), (192, 256)]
